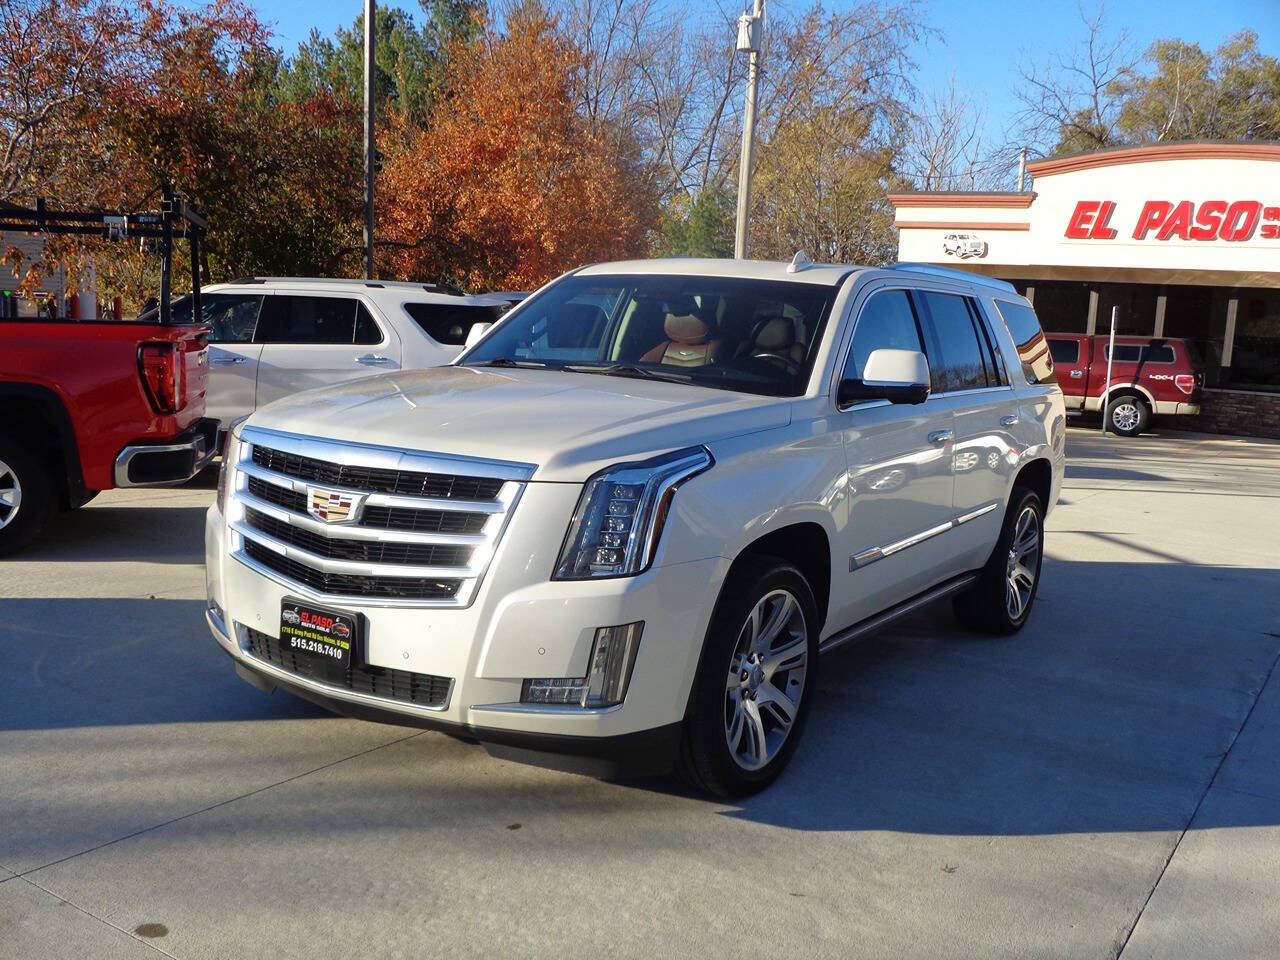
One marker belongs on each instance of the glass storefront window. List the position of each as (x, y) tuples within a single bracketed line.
[(1255, 357), (1136, 308), (1199, 316), (1061, 305)]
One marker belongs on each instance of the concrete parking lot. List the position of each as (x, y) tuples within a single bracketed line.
[(1106, 783)]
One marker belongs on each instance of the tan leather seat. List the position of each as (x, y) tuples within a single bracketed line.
[(687, 343)]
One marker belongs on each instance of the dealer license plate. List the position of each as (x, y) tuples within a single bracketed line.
[(321, 641)]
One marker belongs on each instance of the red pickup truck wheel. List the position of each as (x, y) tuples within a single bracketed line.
[(26, 494), (1127, 415)]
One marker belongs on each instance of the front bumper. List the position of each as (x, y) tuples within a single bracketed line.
[(170, 463), (520, 625)]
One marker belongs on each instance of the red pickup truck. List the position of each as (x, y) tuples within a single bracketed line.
[(1148, 376), (90, 405)]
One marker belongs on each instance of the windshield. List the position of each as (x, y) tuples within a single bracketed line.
[(753, 336)]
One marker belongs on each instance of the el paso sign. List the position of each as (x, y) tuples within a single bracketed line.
[(1194, 213), (1234, 222)]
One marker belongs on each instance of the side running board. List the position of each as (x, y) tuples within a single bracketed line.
[(908, 606)]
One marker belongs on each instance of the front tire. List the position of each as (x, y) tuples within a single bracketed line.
[(1001, 600), (756, 681), (27, 494), (1128, 415)]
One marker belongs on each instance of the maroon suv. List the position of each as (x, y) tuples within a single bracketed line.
[(1148, 376)]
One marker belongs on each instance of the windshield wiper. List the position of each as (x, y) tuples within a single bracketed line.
[(628, 370), (510, 362)]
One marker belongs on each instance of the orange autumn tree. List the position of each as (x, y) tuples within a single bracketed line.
[(507, 187)]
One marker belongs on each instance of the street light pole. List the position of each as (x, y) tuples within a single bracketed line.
[(369, 148), (749, 30)]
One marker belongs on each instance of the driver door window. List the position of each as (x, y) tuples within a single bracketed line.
[(886, 322)]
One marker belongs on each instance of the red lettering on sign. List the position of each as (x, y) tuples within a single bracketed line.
[(1241, 220), (1178, 224), (1102, 229), (1082, 219), (1208, 220), (1153, 214)]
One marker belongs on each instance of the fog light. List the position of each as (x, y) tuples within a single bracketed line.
[(613, 655)]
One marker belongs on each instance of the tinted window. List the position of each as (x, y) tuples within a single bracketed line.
[(1033, 349), (1140, 353), (1065, 351), (729, 333), (957, 363), (367, 330), (450, 323), (233, 317), (996, 373), (291, 319), (886, 322)]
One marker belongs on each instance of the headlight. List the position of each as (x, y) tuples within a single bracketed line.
[(615, 529), (230, 454)]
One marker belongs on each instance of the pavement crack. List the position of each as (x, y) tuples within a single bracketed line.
[(1199, 803), (94, 916), (214, 806)]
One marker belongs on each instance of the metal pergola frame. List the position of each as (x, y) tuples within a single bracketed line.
[(174, 218)]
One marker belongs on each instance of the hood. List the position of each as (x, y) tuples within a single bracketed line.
[(568, 425)]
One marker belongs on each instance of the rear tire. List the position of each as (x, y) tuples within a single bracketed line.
[(1001, 600), (756, 681), (27, 494), (1128, 415)]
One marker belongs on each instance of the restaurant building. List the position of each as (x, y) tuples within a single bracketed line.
[(1182, 239)]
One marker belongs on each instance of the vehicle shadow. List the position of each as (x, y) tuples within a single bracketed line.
[(1110, 712), (115, 661), (104, 533)]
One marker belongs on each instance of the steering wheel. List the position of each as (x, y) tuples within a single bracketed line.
[(786, 363)]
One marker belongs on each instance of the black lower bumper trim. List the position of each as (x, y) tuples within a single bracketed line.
[(644, 753), (173, 461)]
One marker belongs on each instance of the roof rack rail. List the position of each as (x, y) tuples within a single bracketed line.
[(445, 288), (951, 273)]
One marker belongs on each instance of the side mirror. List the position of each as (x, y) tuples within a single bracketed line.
[(475, 334), (899, 376)]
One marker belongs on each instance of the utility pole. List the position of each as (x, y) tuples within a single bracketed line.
[(369, 147), (1022, 168), (749, 30)]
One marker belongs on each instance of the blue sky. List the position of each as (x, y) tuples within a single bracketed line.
[(981, 41)]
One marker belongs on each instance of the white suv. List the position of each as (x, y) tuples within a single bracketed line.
[(275, 336), (622, 527)]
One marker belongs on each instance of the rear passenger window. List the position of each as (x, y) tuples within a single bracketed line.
[(886, 322), (449, 323), (1136, 353), (1065, 351), (960, 360), (1033, 348), (291, 319)]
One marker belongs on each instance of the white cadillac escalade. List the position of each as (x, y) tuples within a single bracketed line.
[(618, 532)]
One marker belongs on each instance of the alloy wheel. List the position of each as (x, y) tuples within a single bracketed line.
[(1023, 563), (1125, 415), (10, 495), (766, 679)]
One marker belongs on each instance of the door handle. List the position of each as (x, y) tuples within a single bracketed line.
[(373, 360), (1076, 374), (1009, 421), (940, 436), (224, 361)]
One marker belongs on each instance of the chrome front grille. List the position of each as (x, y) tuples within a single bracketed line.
[(346, 521)]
